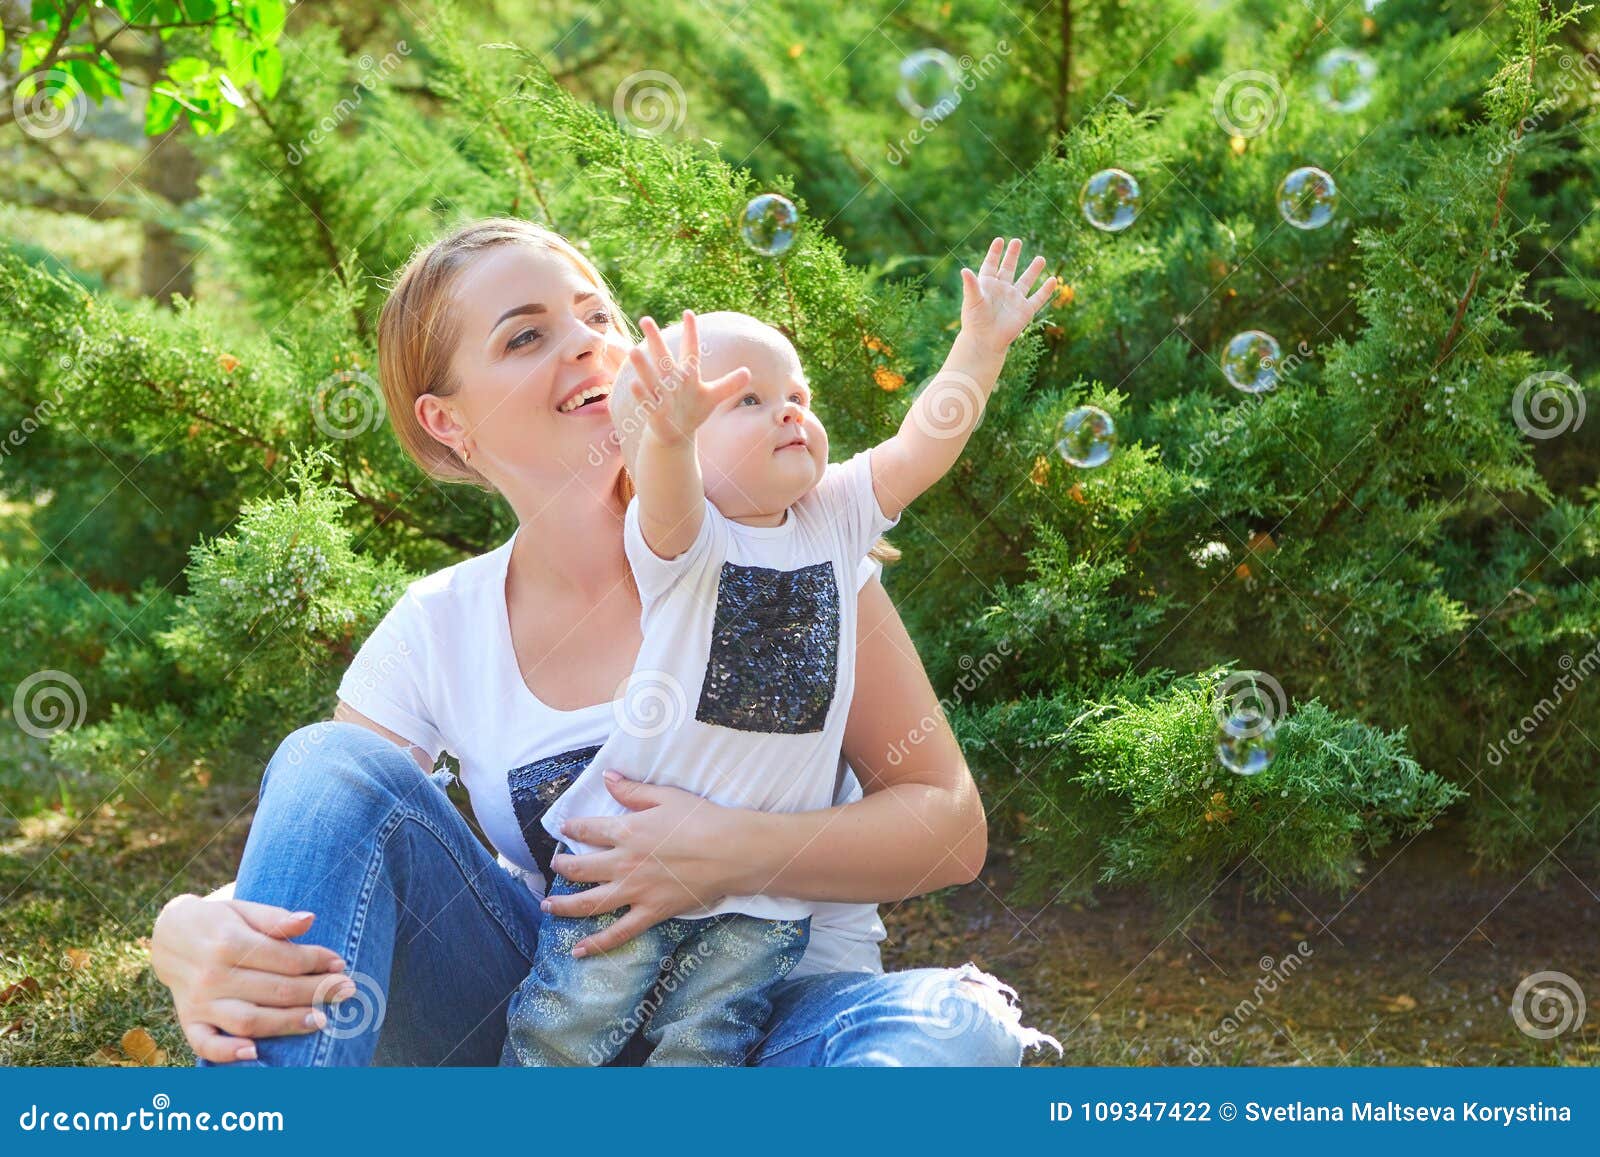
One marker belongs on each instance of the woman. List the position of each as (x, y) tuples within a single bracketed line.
[(497, 347)]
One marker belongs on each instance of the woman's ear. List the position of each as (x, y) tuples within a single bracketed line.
[(434, 416)]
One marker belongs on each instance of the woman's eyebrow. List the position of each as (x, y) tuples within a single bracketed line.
[(535, 308)]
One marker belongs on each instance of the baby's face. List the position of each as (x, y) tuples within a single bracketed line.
[(763, 449)]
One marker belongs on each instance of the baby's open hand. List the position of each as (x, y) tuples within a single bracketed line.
[(995, 303), (674, 400)]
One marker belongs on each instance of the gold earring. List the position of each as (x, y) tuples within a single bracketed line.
[(466, 454)]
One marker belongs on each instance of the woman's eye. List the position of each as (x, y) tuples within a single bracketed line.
[(600, 317), (517, 342)]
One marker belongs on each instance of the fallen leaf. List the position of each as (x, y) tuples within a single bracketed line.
[(22, 989), (887, 379), (141, 1047), (1400, 1003), (77, 959)]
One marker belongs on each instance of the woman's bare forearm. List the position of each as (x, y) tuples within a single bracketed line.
[(921, 825), (901, 841)]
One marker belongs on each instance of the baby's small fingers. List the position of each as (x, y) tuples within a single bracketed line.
[(1031, 274), (1008, 263), (1042, 294), (991, 259)]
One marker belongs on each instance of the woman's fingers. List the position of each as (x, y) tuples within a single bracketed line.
[(600, 831), (247, 948), (274, 990), (271, 920), (630, 924), (212, 1044), (591, 902), (243, 1019)]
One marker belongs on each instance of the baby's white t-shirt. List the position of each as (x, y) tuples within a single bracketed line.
[(743, 682)]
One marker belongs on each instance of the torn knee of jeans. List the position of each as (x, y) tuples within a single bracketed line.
[(1000, 1000)]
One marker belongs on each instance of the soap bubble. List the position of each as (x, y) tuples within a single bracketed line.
[(1344, 79), (769, 223), (1088, 436), (928, 83), (1246, 742), (1250, 361), (1110, 200), (1306, 198)]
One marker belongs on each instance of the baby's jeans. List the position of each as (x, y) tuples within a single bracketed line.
[(710, 1007)]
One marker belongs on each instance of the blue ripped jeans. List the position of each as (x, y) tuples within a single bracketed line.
[(437, 936), (700, 990)]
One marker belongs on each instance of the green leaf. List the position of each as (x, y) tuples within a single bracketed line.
[(188, 70), (265, 18), (160, 113), (269, 70)]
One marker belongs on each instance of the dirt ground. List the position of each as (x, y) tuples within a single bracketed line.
[(1418, 967)]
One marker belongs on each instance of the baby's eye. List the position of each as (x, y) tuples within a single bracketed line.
[(600, 317), (750, 398), (517, 342), (798, 398)]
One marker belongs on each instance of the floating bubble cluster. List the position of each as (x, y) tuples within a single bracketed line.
[(1250, 361), (1306, 198), (928, 80), (768, 224), (1087, 437), (1110, 200)]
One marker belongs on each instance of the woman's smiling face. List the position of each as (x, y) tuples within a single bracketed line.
[(536, 339)]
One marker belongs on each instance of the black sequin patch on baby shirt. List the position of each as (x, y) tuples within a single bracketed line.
[(537, 785), (774, 649)]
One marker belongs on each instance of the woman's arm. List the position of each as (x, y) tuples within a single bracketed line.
[(920, 827)]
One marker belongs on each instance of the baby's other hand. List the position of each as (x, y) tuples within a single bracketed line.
[(995, 303)]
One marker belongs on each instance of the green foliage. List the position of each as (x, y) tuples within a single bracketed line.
[(216, 50), (1126, 788), (1389, 534)]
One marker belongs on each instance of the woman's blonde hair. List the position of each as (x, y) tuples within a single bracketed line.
[(418, 331)]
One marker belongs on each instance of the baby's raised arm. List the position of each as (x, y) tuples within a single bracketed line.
[(657, 408), (995, 308)]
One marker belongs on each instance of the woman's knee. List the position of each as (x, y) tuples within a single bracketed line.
[(966, 1017), (332, 760)]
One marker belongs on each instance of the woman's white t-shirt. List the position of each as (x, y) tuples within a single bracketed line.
[(440, 670)]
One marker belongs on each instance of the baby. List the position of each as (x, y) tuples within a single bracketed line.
[(745, 543)]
